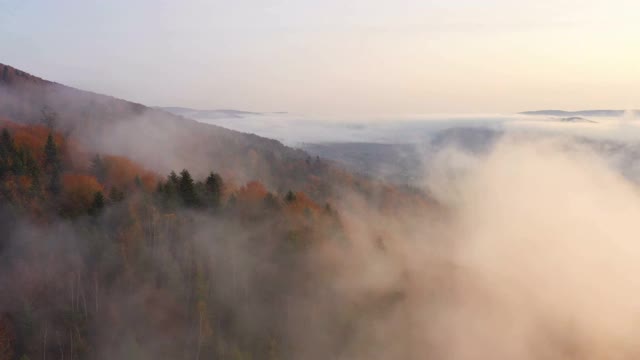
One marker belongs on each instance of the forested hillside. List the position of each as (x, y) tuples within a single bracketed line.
[(204, 243), (163, 141), (104, 259)]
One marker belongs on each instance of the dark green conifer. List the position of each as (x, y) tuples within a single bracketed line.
[(97, 205), (214, 186), (187, 190)]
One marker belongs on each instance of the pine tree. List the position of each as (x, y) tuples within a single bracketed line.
[(7, 151), (97, 205), (51, 153), (99, 168), (213, 186), (290, 197), (271, 202), (173, 179), (49, 118), (18, 163), (187, 190), (33, 171), (52, 165)]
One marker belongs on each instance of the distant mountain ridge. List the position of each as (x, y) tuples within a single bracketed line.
[(568, 114), (207, 113), (212, 113)]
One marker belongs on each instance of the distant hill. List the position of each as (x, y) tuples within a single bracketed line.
[(569, 114), (208, 114), (576, 119), (159, 139)]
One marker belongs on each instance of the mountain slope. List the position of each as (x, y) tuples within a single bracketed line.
[(158, 139)]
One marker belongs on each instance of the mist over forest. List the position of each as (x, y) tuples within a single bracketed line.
[(130, 232), (319, 180)]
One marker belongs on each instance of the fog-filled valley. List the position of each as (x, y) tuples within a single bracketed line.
[(400, 149), (134, 232)]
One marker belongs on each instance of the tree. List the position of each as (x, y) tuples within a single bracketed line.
[(33, 171), (49, 118), (213, 186), (6, 143), (116, 194), (99, 168), (187, 190), (271, 202), (97, 205), (18, 165), (173, 179), (290, 197), (52, 165), (7, 150)]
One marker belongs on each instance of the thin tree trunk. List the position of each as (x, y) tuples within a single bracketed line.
[(84, 304), (199, 336), (60, 346), (95, 282), (44, 344), (72, 297)]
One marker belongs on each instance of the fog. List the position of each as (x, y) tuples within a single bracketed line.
[(297, 129), (525, 246), (536, 258), (528, 251)]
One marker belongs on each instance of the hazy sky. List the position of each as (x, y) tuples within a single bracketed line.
[(335, 56)]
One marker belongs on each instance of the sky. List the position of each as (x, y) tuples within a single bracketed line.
[(335, 56)]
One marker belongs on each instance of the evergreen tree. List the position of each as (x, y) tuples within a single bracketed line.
[(271, 202), (55, 183), (99, 168), (52, 165), (214, 186), (290, 197), (173, 179), (97, 205), (7, 151), (187, 190), (49, 118), (19, 162), (33, 171), (51, 160)]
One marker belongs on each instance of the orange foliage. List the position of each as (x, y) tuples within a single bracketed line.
[(34, 138), (17, 186), (252, 192), (122, 172), (303, 202), (79, 191)]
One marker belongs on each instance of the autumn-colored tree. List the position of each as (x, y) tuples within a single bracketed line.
[(126, 174), (78, 193), (252, 193)]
